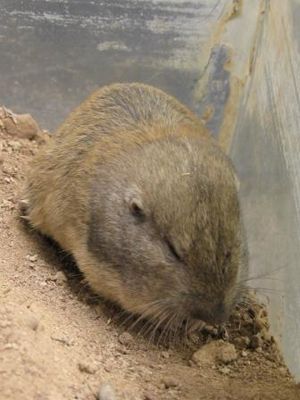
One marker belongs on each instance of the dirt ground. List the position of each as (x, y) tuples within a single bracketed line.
[(58, 341)]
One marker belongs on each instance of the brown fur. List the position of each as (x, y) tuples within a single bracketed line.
[(137, 190)]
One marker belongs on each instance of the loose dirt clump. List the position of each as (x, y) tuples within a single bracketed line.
[(59, 341)]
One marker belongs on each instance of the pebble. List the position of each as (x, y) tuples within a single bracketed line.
[(236, 315), (165, 354), (259, 325), (22, 126), (33, 258), (282, 370), (59, 278), (216, 351), (255, 342), (15, 145), (108, 367), (266, 335), (241, 342), (224, 370), (205, 355), (227, 353), (126, 338), (211, 330), (223, 333), (106, 392), (244, 353), (87, 367), (170, 382)]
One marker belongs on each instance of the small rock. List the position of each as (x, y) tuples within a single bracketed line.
[(126, 338), (224, 370), (266, 335), (60, 278), (21, 125), (33, 258), (236, 315), (259, 325), (108, 367), (170, 382), (15, 145), (223, 333), (216, 351), (254, 310), (227, 353), (121, 350), (106, 392), (241, 342), (10, 346), (244, 353), (255, 342), (165, 354), (205, 355), (282, 370), (87, 367), (211, 330)]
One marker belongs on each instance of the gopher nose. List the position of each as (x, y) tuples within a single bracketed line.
[(215, 314), (220, 313)]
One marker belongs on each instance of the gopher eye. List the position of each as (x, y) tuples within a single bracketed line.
[(173, 250)]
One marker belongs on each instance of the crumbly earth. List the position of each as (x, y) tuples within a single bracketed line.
[(59, 341)]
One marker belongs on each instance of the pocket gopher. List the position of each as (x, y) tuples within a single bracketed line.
[(137, 190)]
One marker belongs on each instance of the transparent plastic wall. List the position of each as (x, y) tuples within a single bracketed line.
[(266, 151)]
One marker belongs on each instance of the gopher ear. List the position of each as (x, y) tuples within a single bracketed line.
[(134, 201), (237, 182), (136, 208)]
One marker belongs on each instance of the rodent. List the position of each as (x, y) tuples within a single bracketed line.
[(138, 191)]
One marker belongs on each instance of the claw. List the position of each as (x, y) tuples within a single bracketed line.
[(23, 205), (24, 202), (25, 217)]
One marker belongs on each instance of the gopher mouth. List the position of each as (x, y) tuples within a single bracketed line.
[(169, 319)]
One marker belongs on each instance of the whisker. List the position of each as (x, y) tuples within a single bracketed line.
[(145, 310), (157, 326), (179, 322), (264, 275), (270, 290), (156, 318), (150, 310), (165, 328)]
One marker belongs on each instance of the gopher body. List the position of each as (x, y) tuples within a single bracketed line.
[(136, 189)]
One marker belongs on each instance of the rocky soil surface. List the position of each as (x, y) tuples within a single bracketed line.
[(59, 341)]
